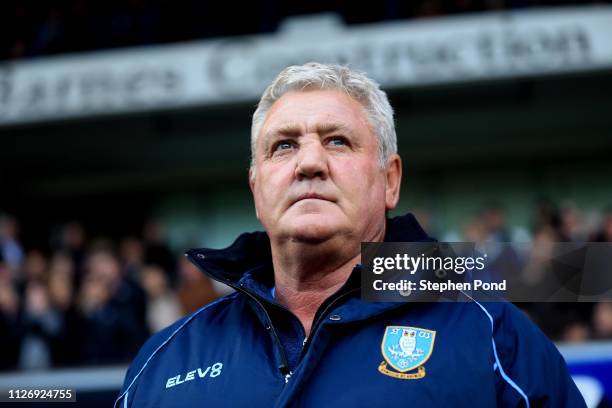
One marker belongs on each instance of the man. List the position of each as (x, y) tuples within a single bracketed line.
[(296, 333)]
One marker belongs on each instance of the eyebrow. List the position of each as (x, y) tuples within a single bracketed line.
[(292, 130)]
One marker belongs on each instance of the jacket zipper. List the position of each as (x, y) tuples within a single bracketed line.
[(317, 323), (284, 367)]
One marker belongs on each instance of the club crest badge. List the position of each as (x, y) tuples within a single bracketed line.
[(405, 349)]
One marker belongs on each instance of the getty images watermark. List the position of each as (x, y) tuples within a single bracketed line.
[(491, 271)]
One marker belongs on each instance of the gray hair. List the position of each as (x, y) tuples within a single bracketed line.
[(356, 84)]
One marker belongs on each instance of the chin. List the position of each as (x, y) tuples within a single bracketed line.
[(313, 229)]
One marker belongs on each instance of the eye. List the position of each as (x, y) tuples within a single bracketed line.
[(282, 145), (337, 141)]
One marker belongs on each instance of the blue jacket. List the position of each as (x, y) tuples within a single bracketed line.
[(237, 351)]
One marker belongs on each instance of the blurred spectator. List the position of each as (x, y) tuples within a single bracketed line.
[(10, 248), (35, 267), (195, 289), (41, 323), (156, 249), (605, 233), (540, 255), (10, 324), (113, 312), (132, 257), (61, 287), (475, 230), (572, 227), (163, 307), (494, 221), (602, 320), (71, 239), (576, 332), (546, 215), (65, 345)]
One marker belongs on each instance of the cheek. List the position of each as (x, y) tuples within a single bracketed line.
[(272, 183), (364, 185), (374, 199)]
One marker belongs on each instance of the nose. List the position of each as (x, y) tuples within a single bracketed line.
[(312, 161)]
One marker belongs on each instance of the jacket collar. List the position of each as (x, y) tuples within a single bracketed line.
[(251, 251)]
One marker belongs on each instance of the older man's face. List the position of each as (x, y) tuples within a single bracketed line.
[(317, 173)]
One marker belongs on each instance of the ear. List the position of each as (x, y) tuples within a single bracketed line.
[(252, 187), (393, 173)]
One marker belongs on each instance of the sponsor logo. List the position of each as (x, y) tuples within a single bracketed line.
[(199, 373)]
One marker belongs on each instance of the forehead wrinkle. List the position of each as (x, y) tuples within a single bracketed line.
[(330, 127), (286, 129)]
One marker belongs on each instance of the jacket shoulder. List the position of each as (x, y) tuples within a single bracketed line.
[(530, 367), (156, 343)]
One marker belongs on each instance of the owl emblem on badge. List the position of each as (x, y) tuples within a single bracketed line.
[(407, 342)]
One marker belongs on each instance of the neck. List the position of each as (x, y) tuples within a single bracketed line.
[(307, 274), (303, 291)]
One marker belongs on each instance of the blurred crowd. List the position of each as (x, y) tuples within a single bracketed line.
[(90, 302), (550, 223), (32, 28), (86, 301)]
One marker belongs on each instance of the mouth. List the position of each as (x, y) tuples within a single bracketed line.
[(312, 196)]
